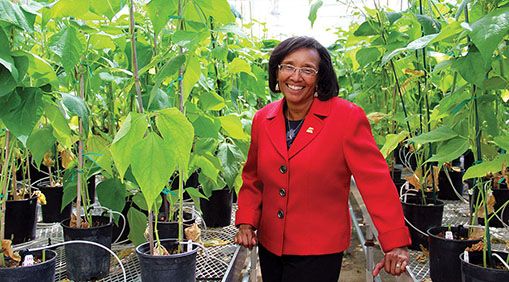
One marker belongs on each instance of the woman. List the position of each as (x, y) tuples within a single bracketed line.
[(304, 150)]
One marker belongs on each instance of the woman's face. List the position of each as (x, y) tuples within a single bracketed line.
[(297, 75)]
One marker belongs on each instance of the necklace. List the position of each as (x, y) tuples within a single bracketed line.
[(292, 132)]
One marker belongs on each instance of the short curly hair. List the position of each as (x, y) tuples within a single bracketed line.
[(327, 82)]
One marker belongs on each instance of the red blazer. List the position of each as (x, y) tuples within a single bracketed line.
[(297, 198)]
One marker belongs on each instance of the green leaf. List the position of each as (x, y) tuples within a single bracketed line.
[(366, 29), (419, 43), (206, 127), (102, 40), (438, 134), (313, 11), (75, 105), (239, 65), (450, 31), (429, 25), (495, 83), (366, 56), (11, 13), (191, 75), (70, 180), (159, 12), (482, 169), (207, 167), (178, 134), (450, 150), (143, 54), (40, 71), (39, 142), (169, 69), (137, 225), (193, 192), (111, 194), (130, 133), (5, 56), (502, 142), (230, 157), (189, 39), (68, 45), (107, 8), (98, 152), (472, 68), (22, 111), (488, 31), (152, 166), (392, 141), (7, 82), (61, 129), (69, 8), (218, 9), (233, 127), (210, 101)]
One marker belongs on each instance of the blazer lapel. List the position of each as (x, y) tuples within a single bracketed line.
[(276, 128), (313, 124)]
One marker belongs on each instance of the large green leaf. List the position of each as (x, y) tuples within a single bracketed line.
[(61, 129), (13, 14), (68, 44), (7, 82), (482, 169), (191, 76), (230, 157), (130, 133), (108, 8), (5, 56), (429, 25), (40, 71), (450, 150), (143, 54), (438, 134), (368, 55), (97, 151), (313, 10), (204, 126), (472, 68), (39, 142), (102, 40), (189, 39), (137, 225), (69, 8), (233, 127), (207, 167), (70, 182), (152, 166), (419, 43), (210, 101), (218, 9), (178, 134), (22, 111), (366, 29), (169, 69), (111, 194), (76, 106), (392, 141), (159, 12), (502, 142), (239, 65), (488, 31)]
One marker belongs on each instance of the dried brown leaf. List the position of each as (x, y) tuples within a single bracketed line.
[(8, 251)]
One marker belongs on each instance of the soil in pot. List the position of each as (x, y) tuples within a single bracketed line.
[(52, 211), (444, 262), (175, 267), (41, 271), (84, 261), (21, 220), (422, 217), (217, 210), (446, 191), (473, 271), (169, 229)]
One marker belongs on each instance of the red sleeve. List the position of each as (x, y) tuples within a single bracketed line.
[(250, 194), (373, 180)]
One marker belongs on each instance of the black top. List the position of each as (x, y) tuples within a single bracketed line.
[(292, 128)]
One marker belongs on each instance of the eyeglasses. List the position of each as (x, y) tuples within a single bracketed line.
[(304, 71)]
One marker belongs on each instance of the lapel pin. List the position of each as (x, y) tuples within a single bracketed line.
[(310, 130)]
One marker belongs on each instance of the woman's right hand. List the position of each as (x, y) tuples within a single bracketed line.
[(246, 236)]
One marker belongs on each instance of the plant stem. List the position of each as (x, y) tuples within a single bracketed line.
[(5, 183), (134, 57), (80, 156)]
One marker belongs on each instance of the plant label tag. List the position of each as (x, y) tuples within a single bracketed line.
[(29, 260), (189, 245), (465, 256), (448, 235)]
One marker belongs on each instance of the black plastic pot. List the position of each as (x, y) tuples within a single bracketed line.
[(444, 263), (178, 267), (473, 271), (52, 211), (41, 272), (398, 183), (217, 210), (91, 188), (169, 230), (396, 174), (85, 261), (501, 197), (404, 151), (21, 220), (446, 191), (117, 228), (422, 217)]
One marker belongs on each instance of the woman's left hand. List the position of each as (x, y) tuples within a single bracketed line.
[(394, 262)]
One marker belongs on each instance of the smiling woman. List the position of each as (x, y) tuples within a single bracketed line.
[(300, 186)]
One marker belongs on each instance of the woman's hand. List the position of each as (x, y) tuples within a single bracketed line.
[(394, 262), (246, 236)]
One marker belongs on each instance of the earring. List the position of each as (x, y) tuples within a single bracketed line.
[(316, 94), (277, 86)]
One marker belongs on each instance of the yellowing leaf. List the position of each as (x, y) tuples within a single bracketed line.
[(505, 95), (67, 157)]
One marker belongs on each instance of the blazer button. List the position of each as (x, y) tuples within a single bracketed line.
[(282, 192), (280, 214), (282, 169)]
